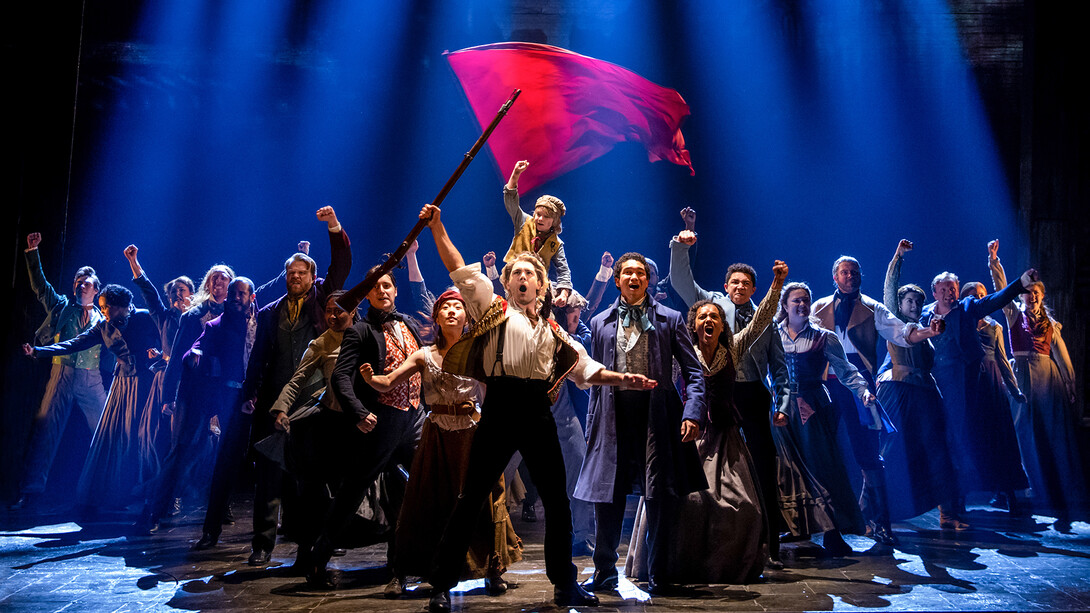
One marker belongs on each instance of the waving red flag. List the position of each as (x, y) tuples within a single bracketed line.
[(573, 108)]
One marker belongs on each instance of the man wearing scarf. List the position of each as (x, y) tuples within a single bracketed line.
[(858, 321), (640, 441)]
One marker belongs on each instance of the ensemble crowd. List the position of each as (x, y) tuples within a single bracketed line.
[(720, 411)]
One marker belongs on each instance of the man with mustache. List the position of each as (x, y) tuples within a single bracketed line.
[(858, 321), (210, 386), (284, 329)]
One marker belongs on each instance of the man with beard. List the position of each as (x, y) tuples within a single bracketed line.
[(858, 321), (640, 441), (284, 330), (760, 362), (211, 386)]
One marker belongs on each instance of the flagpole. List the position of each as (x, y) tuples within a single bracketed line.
[(352, 298)]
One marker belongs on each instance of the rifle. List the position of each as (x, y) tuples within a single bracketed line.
[(353, 297)]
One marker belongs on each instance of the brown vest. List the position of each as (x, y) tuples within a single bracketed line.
[(524, 241), (861, 331), (466, 356)]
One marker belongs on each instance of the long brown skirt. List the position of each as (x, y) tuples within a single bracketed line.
[(435, 480)]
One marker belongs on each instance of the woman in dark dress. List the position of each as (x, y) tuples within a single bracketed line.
[(116, 464), (721, 528), (815, 490), (997, 388)]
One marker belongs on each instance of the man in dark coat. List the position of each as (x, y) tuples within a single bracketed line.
[(380, 430), (211, 385), (284, 329), (640, 441)]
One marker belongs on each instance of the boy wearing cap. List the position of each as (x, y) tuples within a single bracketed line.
[(538, 233)]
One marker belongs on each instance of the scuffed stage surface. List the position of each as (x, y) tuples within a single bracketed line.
[(1004, 563)]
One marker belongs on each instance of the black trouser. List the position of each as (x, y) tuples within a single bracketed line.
[(365, 456), (631, 412), (755, 405), (193, 429), (516, 416), (234, 441), (273, 486)]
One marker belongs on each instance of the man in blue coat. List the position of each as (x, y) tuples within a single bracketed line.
[(958, 353), (640, 442)]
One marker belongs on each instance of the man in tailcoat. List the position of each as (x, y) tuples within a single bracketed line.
[(640, 441)]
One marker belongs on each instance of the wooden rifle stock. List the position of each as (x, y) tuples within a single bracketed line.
[(353, 297)]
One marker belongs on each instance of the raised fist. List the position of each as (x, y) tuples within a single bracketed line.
[(328, 215), (688, 217), (779, 271)]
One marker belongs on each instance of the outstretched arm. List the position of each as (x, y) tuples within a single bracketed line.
[(762, 317), (42, 289), (511, 195), (999, 281), (147, 289), (681, 273), (340, 251)]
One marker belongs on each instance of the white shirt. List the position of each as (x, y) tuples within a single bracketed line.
[(528, 348)]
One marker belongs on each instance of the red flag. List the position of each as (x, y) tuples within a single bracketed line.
[(573, 108)]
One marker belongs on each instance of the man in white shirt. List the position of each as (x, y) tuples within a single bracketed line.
[(523, 357)]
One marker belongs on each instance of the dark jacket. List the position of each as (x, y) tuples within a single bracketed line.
[(676, 469), (364, 342), (129, 345), (268, 370), (961, 322)]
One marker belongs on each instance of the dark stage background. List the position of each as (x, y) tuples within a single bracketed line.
[(209, 132)]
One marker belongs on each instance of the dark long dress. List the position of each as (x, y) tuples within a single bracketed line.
[(118, 460), (917, 457), (721, 528), (436, 478), (1000, 460), (815, 489)]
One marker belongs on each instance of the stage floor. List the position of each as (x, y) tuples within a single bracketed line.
[(1004, 563)]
